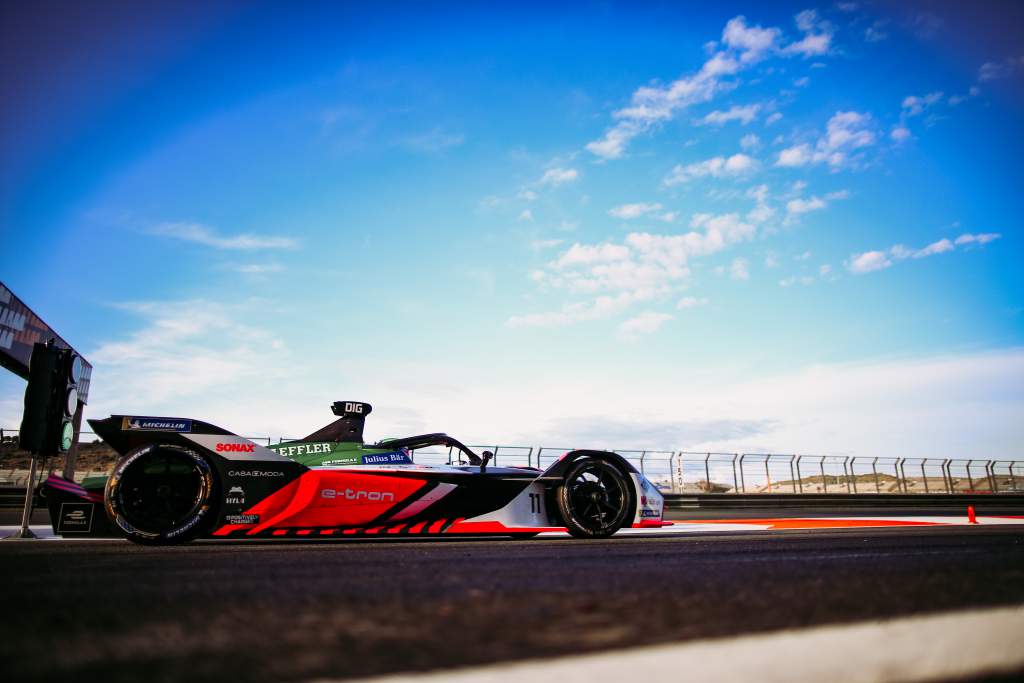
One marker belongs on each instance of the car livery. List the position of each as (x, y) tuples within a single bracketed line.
[(195, 480)]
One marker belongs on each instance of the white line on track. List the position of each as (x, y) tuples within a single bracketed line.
[(941, 647)]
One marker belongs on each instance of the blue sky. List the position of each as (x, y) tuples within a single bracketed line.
[(781, 228)]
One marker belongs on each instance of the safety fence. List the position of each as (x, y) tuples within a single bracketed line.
[(684, 472)]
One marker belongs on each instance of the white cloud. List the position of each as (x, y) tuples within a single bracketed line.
[(773, 118), (739, 269), (201, 234), (602, 307), (758, 193), (648, 322), (631, 211), (745, 115), (750, 141), (914, 106), (754, 43), (824, 269), (527, 195), (761, 212), (583, 254), (900, 133), (690, 302), (744, 45), (800, 155), (846, 132), (875, 32), (184, 351), (545, 244), (868, 261), (716, 167), (559, 176), (817, 36), (257, 268), (940, 247), (526, 215), (993, 71), (801, 206), (877, 260), (903, 407), (802, 82), (982, 238), (804, 280), (643, 267), (771, 260)]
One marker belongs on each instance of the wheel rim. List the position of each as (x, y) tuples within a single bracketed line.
[(161, 490), (597, 496)]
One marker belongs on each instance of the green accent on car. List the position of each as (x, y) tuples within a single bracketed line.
[(314, 454)]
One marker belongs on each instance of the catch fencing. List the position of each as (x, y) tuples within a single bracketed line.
[(686, 472)]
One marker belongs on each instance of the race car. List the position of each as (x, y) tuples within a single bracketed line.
[(180, 479)]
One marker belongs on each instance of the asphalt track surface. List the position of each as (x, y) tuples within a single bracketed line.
[(299, 610)]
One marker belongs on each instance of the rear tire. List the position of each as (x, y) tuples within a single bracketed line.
[(595, 499), (162, 494)]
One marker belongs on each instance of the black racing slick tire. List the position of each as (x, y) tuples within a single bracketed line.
[(162, 494), (595, 498)]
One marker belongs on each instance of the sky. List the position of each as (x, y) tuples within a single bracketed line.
[(724, 226)]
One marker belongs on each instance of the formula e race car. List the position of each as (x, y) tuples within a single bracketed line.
[(180, 479)]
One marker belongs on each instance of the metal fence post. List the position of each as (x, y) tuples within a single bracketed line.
[(992, 477), (1013, 480), (924, 476), (767, 474), (743, 480), (946, 468), (735, 483), (792, 477), (707, 471), (970, 479), (846, 461), (799, 477), (824, 481)]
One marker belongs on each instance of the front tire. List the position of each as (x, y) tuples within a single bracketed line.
[(595, 499), (162, 494)]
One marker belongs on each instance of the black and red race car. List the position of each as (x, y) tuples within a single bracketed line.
[(180, 479)]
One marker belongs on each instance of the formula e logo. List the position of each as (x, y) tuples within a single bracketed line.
[(75, 517), (349, 494), (236, 447)]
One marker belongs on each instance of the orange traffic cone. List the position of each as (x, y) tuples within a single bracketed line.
[(971, 519)]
